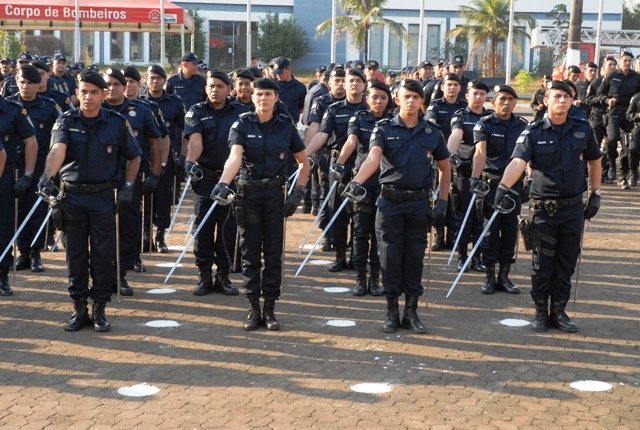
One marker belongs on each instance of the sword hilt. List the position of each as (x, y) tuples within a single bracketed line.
[(503, 208), (355, 198), (196, 173), (226, 201), (481, 190)]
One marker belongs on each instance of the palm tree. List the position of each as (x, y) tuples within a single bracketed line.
[(488, 21), (360, 16)]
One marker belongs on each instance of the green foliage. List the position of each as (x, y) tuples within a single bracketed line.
[(560, 16), (43, 45), (281, 38), (10, 44), (172, 42), (523, 81), (631, 15)]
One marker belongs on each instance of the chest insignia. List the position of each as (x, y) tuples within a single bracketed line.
[(109, 149), (579, 135)]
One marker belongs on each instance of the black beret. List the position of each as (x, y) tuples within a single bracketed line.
[(572, 85), (477, 84), (321, 69), (341, 73), (358, 73), (574, 69), (348, 64), (217, 74), (379, 85), (265, 84), (451, 77), (412, 85), (115, 73), (593, 65), (190, 57), (30, 73), (131, 72), (372, 63), (256, 72), (357, 64), (39, 65), (505, 89), (560, 85), (625, 53), (243, 73), (610, 59), (93, 67), (158, 70), (91, 77)]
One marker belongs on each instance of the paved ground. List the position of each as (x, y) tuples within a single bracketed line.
[(468, 372)]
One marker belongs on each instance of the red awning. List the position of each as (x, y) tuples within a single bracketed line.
[(95, 15)]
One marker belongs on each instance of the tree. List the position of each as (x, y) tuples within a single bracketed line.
[(43, 45), (560, 16), (281, 38), (10, 45), (173, 44), (487, 21), (631, 16), (360, 16)]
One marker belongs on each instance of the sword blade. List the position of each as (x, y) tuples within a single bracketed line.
[(175, 214), (464, 222), (315, 221), (26, 220), (46, 219)]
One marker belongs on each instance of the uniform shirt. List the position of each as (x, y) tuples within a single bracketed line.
[(15, 126), (58, 84), (315, 92), (591, 98), (408, 153), (71, 83), (94, 153), (619, 86), (361, 125), (10, 86), (43, 113), (537, 100), (157, 115), (173, 112), (335, 121), (214, 125), (191, 90), (500, 136), (582, 85), (438, 93), (61, 98), (142, 123), (465, 120), (429, 88), (634, 110), (292, 94), (441, 111), (266, 146), (319, 107), (559, 155)]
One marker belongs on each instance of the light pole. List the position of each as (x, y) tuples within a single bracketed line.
[(507, 68)]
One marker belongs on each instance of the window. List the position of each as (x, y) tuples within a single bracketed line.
[(395, 52), (136, 47), (154, 46), (116, 46), (412, 52), (433, 42), (228, 44), (376, 43)]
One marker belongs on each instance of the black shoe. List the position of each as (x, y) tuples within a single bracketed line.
[(392, 323), (161, 246), (633, 180), (558, 318), (611, 174), (541, 322), (325, 245), (361, 283), (306, 209), (5, 289), (340, 263), (80, 317), (478, 265), (125, 288), (23, 263), (269, 319), (314, 210), (36, 262), (138, 265), (223, 284), (503, 283), (374, 285), (205, 286), (461, 260), (623, 183), (100, 323), (410, 319), (438, 239), (254, 320), (489, 286)]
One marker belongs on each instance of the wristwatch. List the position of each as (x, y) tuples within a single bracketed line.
[(128, 184), (27, 173), (597, 192)]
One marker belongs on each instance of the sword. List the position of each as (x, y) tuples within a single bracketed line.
[(175, 213), (498, 210), (326, 229), (150, 222), (482, 193), (55, 244), (575, 294), (293, 179), (315, 221), (46, 220), (190, 227), (24, 223), (117, 249), (426, 293), (284, 236)]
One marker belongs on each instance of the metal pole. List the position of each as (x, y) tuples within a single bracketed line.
[(421, 32), (575, 28), (599, 32), (248, 33), (333, 31), (76, 47), (507, 68), (162, 35), (182, 38)]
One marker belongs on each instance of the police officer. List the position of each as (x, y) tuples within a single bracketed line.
[(439, 69), (537, 104), (616, 91), (6, 64), (365, 245), (462, 146), (242, 87), (404, 148), (292, 92), (495, 137), (590, 73), (440, 111), (207, 126), (371, 70), (319, 73), (43, 113), (333, 132), (147, 133), (633, 150), (187, 83), (15, 128), (88, 148), (560, 149), (456, 66), (10, 86), (173, 112), (60, 98), (60, 70), (260, 143)]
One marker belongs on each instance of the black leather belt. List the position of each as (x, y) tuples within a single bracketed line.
[(259, 184), (397, 195), (86, 188), (551, 206), (210, 174)]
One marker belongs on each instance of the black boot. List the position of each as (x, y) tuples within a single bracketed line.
[(253, 319), (541, 322), (160, 243), (410, 319), (5, 289), (22, 263), (100, 323), (145, 242), (138, 265), (504, 283), (205, 286), (36, 261), (270, 321), (315, 204), (478, 265), (80, 317), (325, 245), (633, 179), (438, 239), (374, 286), (341, 261), (223, 283), (392, 323), (559, 318), (125, 288), (361, 283), (489, 286), (462, 259)]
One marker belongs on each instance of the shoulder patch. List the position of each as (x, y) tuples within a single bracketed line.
[(234, 126), (126, 122), (56, 126), (521, 139), (352, 120), (431, 107), (477, 127), (455, 119), (326, 115), (189, 114)]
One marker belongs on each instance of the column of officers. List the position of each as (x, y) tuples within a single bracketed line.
[(235, 137)]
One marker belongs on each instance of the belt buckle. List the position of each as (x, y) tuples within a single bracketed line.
[(86, 188), (551, 207)]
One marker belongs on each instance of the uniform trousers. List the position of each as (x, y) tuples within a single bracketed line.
[(7, 220), (25, 204), (499, 245), (474, 224), (365, 243)]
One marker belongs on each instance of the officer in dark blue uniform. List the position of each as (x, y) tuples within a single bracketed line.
[(60, 70), (440, 111), (560, 149), (537, 103), (43, 113), (188, 83), (15, 128), (242, 79), (207, 126), (495, 137), (147, 133), (261, 142), (404, 149), (60, 98), (633, 150), (88, 148), (365, 244), (292, 91), (462, 146), (173, 112), (10, 86)]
